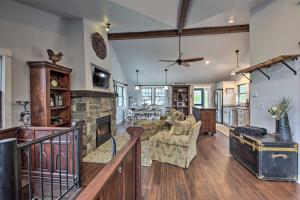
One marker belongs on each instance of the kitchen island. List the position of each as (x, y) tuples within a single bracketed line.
[(208, 118)]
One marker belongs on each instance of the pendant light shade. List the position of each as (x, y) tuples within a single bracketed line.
[(137, 87), (166, 85), (234, 72)]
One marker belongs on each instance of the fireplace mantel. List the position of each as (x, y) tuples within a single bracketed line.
[(92, 93)]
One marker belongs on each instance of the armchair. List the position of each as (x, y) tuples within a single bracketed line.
[(177, 146)]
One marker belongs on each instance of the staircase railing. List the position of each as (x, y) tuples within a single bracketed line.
[(121, 177), (46, 162)]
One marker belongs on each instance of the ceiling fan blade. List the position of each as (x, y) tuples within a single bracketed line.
[(193, 59), (185, 64), (167, 60), (172, 64)]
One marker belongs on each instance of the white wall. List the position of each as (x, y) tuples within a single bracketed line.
[(27, 32), (75, 55), (118, 75), (91, 57), (274, 31)]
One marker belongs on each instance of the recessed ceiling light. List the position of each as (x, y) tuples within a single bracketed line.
[(207, 62), (231, 20)]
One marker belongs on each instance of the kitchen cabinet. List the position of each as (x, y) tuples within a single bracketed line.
[(230, 116), (243, 117)]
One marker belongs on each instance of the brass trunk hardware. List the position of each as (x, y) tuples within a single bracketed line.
[(255, 145), (284, 156)]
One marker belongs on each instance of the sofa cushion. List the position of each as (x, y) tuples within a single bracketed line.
[(195, 129), (169, 138), (181, 127), (191, 119)]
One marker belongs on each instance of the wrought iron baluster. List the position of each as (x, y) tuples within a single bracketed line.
[(73, 157), (29, 171), (51, 167), (59, 153), (41, 170), (67, 160)]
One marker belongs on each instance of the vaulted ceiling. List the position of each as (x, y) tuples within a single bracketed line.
[(145, 15)]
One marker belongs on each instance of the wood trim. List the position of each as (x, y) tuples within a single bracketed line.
[(174, 32), (39, 64), (269, 62), (95, 187), (90, 93), (183, 14)]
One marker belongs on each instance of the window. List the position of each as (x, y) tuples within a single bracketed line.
[(159, 96), (146, 95), (199, 97), (1, 88), (120, 100), (242, 93)]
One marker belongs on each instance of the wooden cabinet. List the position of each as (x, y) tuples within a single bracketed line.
[(181, 98), (208, 118), (50, 98), (243, 117)]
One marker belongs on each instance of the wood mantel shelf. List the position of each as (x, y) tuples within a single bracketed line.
[(90, 93), (269, 63)]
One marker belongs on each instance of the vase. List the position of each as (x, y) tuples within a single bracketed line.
[(283, 130)]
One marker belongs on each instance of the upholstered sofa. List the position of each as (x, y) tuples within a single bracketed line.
[(154, 126), (177, 146)]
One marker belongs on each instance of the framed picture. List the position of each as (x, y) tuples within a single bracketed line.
[(229, 90)]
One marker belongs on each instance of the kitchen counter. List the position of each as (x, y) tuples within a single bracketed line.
[(208, 117), (204, 108)]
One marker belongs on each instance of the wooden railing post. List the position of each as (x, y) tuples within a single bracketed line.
[(136, 132)]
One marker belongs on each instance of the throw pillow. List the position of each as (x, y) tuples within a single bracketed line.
[(181, 128), (191, 119)]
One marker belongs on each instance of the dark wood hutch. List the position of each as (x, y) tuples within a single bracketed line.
[(50, 95), (181, 98)]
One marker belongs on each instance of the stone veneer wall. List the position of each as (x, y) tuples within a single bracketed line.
[(89, 109)]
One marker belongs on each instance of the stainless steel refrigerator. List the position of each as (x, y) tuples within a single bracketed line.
[(219, 105)]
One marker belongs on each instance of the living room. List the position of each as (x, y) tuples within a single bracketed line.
[(147, 100)]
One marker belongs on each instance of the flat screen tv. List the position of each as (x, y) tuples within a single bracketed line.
[(101, 77)]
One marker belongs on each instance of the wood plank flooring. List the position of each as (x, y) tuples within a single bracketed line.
[(212, 175)]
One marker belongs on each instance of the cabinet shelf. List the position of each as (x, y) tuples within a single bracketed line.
[(59, 108), (280, 59), (59, 89), (41, 90), (60, 124)]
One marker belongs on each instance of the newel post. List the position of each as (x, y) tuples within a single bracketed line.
[(136, 132)]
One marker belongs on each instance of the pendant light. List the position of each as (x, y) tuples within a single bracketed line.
[(166, 85), (234, 72), (137, 87)]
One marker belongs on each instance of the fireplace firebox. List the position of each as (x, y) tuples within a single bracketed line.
[(103, 130)]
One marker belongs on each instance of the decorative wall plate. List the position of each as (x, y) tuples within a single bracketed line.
[(99, 45)]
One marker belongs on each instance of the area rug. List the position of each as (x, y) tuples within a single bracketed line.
[(225, 130), (103, 154)]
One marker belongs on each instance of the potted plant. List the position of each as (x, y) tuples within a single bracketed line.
[(280, 113)]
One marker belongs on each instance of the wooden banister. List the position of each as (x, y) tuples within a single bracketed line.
[(116, 180)]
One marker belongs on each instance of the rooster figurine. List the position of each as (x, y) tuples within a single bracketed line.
[(54, 57)]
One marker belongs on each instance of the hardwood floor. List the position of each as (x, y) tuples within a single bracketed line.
[(212, 175)]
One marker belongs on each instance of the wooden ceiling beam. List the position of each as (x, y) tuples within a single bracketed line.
[(183, 15), (174, 33)]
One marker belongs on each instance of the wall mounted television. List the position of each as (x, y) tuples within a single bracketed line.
[(101, 77)]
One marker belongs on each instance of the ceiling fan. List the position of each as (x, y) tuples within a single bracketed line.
[(180, 61)]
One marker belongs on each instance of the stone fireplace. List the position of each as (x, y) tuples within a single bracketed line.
[(92, 107)]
